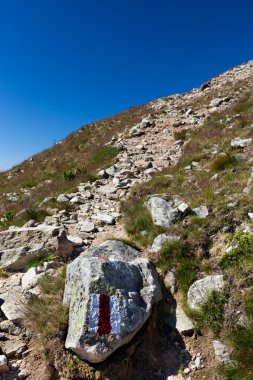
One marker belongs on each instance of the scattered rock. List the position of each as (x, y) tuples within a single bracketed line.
[(3, 364), (240, 143), (63, 198), (104, 218), (201, 211), (200, 289), (222, 352), (19, 246), (9, 327), (183, 323), (160, 240), (161, 211), (87, 226), (170, 282)]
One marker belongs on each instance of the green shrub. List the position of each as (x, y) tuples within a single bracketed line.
[(46, 316), (4, 273), (211, 313), (9, 216), (242, 250), (224, 162), (69, 175)]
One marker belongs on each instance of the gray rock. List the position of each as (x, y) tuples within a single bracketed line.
[(107, 190), (30, 223), (63, 198), (110, 171), (216, 102), (170, 282), (201, 211), (240, 143), (160, 240), (222, 352), (77, 200), (14, 346), (161, 211), (109, 302), (104, 218), (87, 226), (24, 374), (184, 325), (13, 301), (20, 245), (29, 280), (75, 240), (199, 291), (9, 327), (114, 249), (3, 364)]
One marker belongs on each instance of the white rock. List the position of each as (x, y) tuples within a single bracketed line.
[(63, 198), (240, 143), (104, 218), (201, 211), (87, 226)]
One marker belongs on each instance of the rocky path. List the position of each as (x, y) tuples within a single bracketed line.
[(145, 149)]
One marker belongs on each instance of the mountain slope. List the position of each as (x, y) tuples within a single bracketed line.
[(191, 150)]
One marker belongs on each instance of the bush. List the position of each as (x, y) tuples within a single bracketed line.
[(9, 216), (224, 162), (211, 313), (180, 135), (46, 316), (69, 175)]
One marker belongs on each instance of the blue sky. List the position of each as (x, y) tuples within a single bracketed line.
[(64, 63)]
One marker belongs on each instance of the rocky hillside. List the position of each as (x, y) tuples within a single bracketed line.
[(126, 250)]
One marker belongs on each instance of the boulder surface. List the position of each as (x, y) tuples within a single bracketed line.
[(109, 301)]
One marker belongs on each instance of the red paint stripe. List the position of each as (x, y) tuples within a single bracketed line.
[(104, 322)]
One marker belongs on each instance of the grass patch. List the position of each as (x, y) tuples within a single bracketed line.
[(241, 366), (224, 162), (241, 252), (38, 261), (4, 273), (211, 313), (180, 135), (105, 155), (178, 254), (46, 316), (36, 214), (138, 223)]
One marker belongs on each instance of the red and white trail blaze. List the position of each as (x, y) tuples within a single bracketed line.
[(104, 315)]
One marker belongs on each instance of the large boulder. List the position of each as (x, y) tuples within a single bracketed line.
[(199, 290), (163, 214), (18, 246), (115, 249), (109, 301)]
